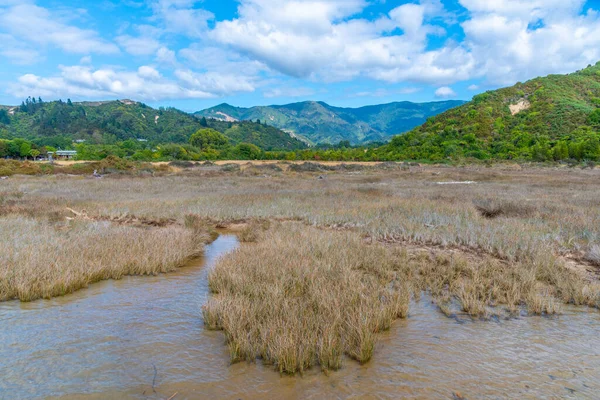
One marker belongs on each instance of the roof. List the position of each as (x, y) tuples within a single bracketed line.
[(63, 152)]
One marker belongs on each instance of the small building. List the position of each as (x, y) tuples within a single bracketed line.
[(62, 155)]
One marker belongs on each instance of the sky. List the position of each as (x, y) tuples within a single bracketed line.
[(196, 54)]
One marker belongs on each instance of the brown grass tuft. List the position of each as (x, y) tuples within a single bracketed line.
[(489, 208), (302, 296), (41, 259)]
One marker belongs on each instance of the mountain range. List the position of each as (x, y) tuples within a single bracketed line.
[(59, 123), (318, 122)]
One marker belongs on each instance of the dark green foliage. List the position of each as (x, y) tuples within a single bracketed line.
[(4, 118), (594, 118), (319, 122), (246, 151), (20, 148), (559, 121)]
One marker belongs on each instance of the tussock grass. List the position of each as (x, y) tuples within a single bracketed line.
[(303, 296), (253, 231), (561, 218), (39, 259)]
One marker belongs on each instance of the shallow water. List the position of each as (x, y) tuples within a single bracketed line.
[(142, 337)]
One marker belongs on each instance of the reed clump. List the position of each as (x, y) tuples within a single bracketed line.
[(303, 296), (44, 259), (253, 231)]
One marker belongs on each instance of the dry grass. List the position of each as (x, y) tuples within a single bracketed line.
[(593, 255), (544, 212), (40, 259), (303, 296), (317, 290), (253, 231)]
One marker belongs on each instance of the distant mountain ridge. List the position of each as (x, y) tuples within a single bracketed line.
[(58, 123), (319, 122)]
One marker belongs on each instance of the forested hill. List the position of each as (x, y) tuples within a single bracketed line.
[(318, 122), (550, 118), (60, 123)]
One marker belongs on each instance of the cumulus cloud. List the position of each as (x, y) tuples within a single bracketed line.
[(505, 41), (323, 40), (445, 92), (520, 39), (86, 82), (37, 25)]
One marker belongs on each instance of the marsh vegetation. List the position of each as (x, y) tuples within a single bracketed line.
[(331, 254)]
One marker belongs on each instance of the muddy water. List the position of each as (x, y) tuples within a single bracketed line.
[(143, 338)]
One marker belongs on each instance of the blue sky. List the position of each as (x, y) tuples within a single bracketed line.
[(196, 54)]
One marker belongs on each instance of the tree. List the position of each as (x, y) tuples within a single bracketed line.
[(4, 118), (34, 153), (560, 151), (247, 151), (25, 149), (3, 148), (203, 122), (208, 139)]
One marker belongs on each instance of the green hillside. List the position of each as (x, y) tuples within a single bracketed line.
[(551, 118), (59, 123), (318, 122), (264, 136)]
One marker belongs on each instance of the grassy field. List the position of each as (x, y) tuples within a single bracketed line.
[(331, 254)]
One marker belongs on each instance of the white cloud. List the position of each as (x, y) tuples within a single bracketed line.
[(212, 58), (323, 40), (166, 56), (147, 72), (86, 82), (16, 51), (445, 93), (138, 46), (215, 82), (37, 25), (179, 16), (316, 40), (520, 39)]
